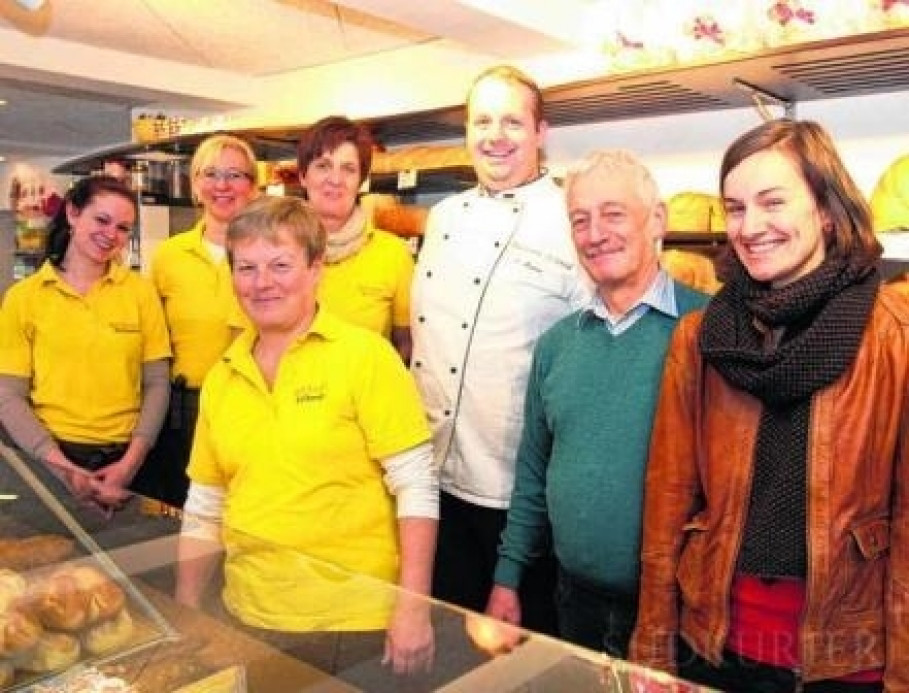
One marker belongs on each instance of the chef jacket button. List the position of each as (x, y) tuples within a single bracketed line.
[(421, 318), (477, 280), (498, 244), (418, 364), (453, 370), (447, 412), (428, 273), (445, 237), (464, 325), (515, 210)]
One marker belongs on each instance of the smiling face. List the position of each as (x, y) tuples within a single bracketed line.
[(100, 230), (332, 181), (275, 282), (772, 219), (615, 233), (225, 184), (503, 137)]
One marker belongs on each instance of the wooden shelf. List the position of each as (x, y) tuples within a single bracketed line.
[(865, 64)]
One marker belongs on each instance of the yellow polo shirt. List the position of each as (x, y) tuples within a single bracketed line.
[(199, 300), (299, 465), (372, 287), (83, 354)]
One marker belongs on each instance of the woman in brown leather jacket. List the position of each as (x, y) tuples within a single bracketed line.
[(776, 540)]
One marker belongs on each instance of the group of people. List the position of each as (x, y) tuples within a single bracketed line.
[(584, 446)]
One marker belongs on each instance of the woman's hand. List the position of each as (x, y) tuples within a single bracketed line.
[(109, 484), (410, 642)]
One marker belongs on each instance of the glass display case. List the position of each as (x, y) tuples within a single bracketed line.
[(86, 604)]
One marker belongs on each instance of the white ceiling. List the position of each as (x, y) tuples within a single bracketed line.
[(51, 111)]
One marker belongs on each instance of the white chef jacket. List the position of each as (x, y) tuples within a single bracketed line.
[(493, 273)]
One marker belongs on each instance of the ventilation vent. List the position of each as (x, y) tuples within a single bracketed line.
[(630, 101), (394, 131), (870, 72)]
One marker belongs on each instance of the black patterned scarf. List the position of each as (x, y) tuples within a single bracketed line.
[(818, 321)]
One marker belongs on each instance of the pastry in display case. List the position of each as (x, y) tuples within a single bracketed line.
[(63, 602), (93, 612)]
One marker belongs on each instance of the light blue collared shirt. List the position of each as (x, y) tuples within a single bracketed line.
[(660, 295)]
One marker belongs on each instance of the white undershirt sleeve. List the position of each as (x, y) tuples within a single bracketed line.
[(203, 511), (411, 477)]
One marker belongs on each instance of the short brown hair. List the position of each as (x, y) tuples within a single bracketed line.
[(812, 150), (266, 216), (512, 75), (327, 135)]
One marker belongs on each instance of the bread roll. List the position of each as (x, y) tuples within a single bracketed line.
[(18, 632), (33, 552), (59, 604), (109, 635), (53, 651), (890, 198), (105, 597), (12, 587)]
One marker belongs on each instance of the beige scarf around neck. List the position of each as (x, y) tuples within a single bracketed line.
[(347, 240)]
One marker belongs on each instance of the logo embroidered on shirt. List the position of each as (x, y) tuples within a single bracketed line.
[(124, 327), (310, 393)]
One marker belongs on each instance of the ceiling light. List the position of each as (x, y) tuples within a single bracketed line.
[(30, 4)]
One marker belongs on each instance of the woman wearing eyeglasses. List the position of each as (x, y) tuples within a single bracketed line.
[(190, 272), (367, 272), (84, 351)]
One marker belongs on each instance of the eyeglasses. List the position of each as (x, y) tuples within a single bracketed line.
[(228, 175)]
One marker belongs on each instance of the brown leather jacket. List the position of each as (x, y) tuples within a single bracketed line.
[(698, 479)]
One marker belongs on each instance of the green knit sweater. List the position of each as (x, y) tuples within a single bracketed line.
[(580, 467)]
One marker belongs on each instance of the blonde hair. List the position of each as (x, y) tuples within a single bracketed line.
[(211, 148)]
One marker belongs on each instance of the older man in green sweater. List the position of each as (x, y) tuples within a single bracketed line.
[(589, 408)]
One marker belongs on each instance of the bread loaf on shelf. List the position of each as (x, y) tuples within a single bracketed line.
[(695, 212), (419, 157), (33, 552)]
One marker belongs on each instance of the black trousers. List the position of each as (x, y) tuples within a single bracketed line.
[(744, 675), (163, 475), (593, 617), (466, 557)]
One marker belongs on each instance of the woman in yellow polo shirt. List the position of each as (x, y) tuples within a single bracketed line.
[(84, 350), (311, 444), (367, 273), (190, 272)]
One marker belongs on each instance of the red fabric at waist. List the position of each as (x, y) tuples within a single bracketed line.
[(764, 623)]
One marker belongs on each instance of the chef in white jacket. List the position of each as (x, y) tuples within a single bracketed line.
[(497, 268)]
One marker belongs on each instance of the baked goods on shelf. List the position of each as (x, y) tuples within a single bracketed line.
[(890, 197), (35, 551), (418, 158), (12, 587), (695, 212), (52, 652), (75, 597), (109, 635), (105, 597), (19, 632)]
